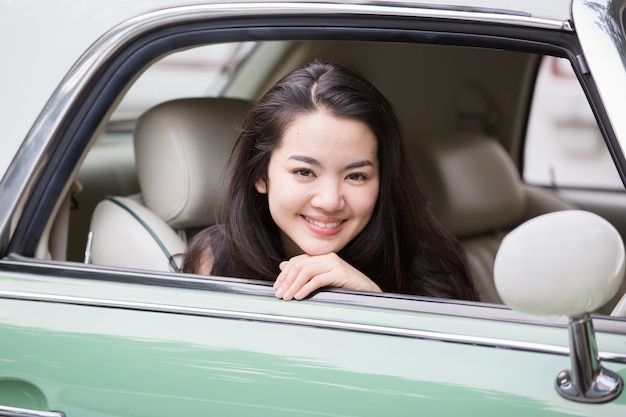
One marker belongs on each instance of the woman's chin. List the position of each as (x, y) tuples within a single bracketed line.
[(320, 250)]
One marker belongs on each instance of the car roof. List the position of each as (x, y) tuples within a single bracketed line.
[(542, 9)]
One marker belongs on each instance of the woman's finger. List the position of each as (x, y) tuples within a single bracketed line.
[(304, 272), (289, 272), (317, 282), (281, 277)]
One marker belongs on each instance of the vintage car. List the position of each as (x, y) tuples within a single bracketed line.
[(118, 119)]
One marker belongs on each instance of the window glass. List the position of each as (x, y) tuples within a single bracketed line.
[(564, 146), (201, 71)]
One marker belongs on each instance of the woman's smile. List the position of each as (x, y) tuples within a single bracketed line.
[(325, 227)]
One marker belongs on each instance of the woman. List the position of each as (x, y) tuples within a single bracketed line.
[(322, 194)]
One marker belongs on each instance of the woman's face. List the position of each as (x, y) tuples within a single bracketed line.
[(322, 183)]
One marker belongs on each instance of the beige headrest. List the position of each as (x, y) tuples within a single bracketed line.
[(181, 150), (121, 240), (472, 183)]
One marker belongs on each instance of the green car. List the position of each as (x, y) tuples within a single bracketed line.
[(514, 116)]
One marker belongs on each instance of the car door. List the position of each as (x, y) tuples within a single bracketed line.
[(79, 341)]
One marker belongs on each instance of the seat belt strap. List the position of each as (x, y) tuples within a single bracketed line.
[(169, 256)]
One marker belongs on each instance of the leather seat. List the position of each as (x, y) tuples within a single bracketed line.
[(181, 151), (475, 190)]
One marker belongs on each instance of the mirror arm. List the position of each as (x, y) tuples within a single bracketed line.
[(587, 380)]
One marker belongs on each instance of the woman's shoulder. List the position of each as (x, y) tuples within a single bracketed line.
[(201, 250)]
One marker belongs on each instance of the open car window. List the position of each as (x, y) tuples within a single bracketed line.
[(454, 107)]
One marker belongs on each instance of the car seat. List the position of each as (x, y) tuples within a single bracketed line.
[(476, 191), (181, 151)]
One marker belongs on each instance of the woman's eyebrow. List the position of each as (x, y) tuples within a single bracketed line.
[(360, 164), (306, 159), (316, 163)]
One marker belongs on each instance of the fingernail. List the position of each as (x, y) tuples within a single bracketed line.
[(279, 293)]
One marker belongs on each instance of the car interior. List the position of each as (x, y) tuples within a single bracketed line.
[(148, 183)]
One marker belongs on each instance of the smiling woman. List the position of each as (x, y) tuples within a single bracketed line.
[(322, 194)]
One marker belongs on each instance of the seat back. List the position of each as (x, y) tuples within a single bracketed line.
[(181, 151), (475, 190)]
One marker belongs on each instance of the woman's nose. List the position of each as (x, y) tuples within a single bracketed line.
[(328, 196)]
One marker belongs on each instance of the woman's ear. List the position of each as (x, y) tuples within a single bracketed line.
[(261, 186)]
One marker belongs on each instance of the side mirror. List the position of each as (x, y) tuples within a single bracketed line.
[(566, 263)]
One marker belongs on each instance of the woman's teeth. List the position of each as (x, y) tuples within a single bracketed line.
[(323, 225)]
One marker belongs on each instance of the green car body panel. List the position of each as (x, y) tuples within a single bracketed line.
[(85, 347)]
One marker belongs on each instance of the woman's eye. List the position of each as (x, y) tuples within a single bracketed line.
[(356, 176), (303, 172)]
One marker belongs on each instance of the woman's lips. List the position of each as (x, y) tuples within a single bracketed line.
[(324, 226)]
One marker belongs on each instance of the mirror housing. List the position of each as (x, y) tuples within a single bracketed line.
[(566, 263)]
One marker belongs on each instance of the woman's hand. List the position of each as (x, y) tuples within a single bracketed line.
[(303, 274)]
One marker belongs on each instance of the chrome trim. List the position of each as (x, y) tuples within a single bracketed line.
[(17, 184), (386, 301), (23, 412), (582, 63), (303, 321)]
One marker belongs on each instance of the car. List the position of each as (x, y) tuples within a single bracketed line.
[(118, 121)]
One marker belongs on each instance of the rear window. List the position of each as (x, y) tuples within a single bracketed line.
[(564, 146)]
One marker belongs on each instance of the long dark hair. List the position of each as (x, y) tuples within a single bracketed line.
[(403, 248)]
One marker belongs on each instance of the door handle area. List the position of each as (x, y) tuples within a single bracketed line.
[(6, 411)]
